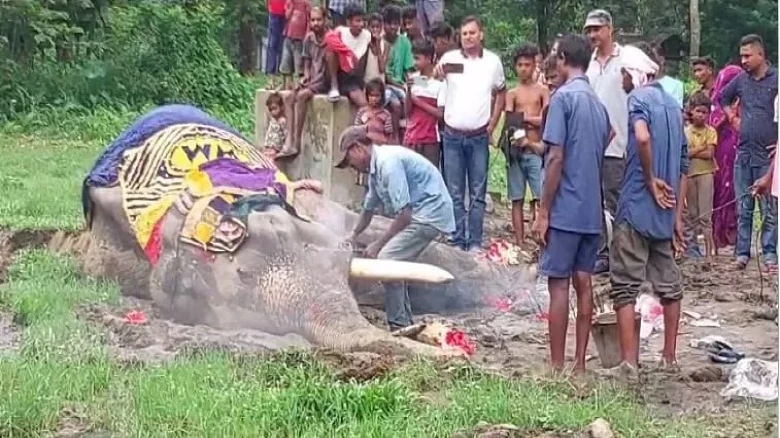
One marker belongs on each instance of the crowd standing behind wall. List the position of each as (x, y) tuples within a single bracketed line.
[(413, 85)]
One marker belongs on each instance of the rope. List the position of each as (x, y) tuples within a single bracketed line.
[(757, 239)]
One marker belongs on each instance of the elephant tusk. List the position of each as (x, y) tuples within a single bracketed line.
[(389, 270)]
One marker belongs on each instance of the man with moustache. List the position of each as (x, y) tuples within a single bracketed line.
[(474, 76), (605, 78), (756, 89)]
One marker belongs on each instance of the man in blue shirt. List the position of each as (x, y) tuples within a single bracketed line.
[(407, 186), (576, 134), (756, 89), (648, 224)]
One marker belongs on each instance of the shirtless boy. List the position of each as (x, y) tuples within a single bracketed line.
[(525, 159)]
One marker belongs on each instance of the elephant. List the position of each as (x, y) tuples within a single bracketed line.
[(288, 270)]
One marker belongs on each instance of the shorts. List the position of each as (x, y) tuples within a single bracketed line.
[(349, 82), (292, 57), (394, 93), (567, 252), (634, 259), (524, 170)]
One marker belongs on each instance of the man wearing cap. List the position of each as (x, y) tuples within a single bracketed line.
[(605, 78), (409, 188)]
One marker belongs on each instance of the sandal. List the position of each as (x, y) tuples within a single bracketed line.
[(720, 352)]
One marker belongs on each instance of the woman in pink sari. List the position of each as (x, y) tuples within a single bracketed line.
[(724, 215)]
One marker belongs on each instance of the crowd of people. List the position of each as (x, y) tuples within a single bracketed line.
[(595, 131)]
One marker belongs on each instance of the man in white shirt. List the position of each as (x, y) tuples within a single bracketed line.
[(474, 75), (606, 79), (357, 39)]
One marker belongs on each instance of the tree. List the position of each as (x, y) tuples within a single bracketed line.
[(695, 24), (724, 22)]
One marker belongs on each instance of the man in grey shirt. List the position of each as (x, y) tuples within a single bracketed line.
[(408, 187), (605, 78)]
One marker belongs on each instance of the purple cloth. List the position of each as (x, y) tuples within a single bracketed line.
[(233, 173), (724, 215)]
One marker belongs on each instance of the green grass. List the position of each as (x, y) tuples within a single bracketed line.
[(64, 369)]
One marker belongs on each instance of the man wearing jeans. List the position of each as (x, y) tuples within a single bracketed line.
[(474, 76), (409, 188), (756, 89)]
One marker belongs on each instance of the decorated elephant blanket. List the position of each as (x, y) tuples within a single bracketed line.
[(179, 155)]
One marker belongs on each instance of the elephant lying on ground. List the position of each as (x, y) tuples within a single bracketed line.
[(243, 248)]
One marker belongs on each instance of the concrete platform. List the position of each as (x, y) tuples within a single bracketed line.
[(325, 121)]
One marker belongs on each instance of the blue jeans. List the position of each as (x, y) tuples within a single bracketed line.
[(273, 54), (466, 156), (525, 170), (744, 177), (406, 246)]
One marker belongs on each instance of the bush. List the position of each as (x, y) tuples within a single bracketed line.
[(149, 53)]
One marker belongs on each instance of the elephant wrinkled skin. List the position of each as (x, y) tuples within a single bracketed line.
[(288, 275)]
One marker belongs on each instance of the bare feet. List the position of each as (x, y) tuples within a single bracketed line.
[(668, 366), (625, 372)]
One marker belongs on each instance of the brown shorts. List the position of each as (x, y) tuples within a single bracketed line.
[(699, 199), (634, 259)]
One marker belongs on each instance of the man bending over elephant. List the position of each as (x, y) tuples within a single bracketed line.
[(408, 187)]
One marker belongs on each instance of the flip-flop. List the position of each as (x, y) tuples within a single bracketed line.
[(720, 352)]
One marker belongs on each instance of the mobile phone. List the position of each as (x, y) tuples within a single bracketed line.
[(451, 68)]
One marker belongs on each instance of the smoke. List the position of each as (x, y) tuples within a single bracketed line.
[(478, 283)]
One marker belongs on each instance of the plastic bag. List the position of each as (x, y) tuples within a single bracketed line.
[(652, 315), (752, 378)]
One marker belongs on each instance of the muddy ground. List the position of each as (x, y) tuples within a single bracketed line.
[(506, 342)]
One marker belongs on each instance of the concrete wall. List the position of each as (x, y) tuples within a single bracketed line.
[(325, 121)]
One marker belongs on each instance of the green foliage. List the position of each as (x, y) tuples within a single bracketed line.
[(126, 55), (724, 22), (149, 53)]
